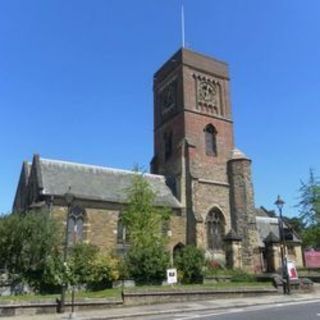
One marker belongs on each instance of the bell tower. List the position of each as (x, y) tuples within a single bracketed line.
[(193, 142), (193, 133)]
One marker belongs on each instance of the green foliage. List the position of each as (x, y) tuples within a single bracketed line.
[(103, 270), (88, 266), (309, 212), (147, 258), (54, 275), (190, 263), (296, 224), (216, 269), (80, 261), (147, 265), (30, 250), (26, 241), (311, 237), (239, 275), (309, 204), (85, 266)]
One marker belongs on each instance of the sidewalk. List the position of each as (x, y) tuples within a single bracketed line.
[(168, 308)]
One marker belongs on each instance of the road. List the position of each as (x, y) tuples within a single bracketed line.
[(306, 310)]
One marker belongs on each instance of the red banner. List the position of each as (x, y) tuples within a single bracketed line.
[(312, 259)]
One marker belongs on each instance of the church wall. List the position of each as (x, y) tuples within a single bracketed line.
[(103, 228), (202, 165), (206, 196), (101, 225), (178, 231)]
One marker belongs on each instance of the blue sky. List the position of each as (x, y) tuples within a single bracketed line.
[(76, 82)]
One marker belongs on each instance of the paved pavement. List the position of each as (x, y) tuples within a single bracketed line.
[(171, 308)]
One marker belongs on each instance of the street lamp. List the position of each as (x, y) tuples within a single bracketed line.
[(69, 198), (284, 260)]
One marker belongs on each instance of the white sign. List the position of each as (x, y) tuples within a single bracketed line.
[(172, 276), (292, 271)]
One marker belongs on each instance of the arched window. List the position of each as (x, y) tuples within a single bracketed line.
[(215, 224), (177, 250), (122, 234), (75, 225), (210, 135)]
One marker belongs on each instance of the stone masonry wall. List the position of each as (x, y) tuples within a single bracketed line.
[(242, 208), (206, 197), (100, 227)]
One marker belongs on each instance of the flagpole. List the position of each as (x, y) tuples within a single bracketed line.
[(182, 26)]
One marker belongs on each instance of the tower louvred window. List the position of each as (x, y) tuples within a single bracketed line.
[(210, 140)]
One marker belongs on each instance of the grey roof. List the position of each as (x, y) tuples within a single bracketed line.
[(267, 225), (263, 212), (237, 154), (271, 238), (98, 183)]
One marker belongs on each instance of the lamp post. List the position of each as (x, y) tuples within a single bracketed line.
[(69, 198), (284, 261)]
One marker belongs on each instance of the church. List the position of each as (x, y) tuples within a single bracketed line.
[(196, 171)]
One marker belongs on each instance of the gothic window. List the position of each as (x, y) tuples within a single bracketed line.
[(215, 224), (122, 234), (76, 225), (167, 145), (210, 134), (177, 250)]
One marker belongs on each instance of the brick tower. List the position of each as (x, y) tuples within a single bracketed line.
[(193, 144)]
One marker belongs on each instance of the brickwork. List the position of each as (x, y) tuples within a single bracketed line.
[(203, 179)]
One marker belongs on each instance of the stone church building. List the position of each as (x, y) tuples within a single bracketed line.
[(196, 170)]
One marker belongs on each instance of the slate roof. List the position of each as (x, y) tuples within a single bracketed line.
[(98, 183), (267, 225)]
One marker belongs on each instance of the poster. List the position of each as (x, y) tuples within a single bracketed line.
[(172, 276), (292, 270)]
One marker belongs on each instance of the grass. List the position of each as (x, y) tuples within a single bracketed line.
[(112, 294), (190, 287)]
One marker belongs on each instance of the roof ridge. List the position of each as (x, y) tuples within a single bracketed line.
[(91, 166)]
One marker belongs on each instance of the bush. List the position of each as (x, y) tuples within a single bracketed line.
[(103, 270), (215, 268), (80, 261), (85, 266), (26, 242), (242, 276), (190, 264), (147, 265), (88, 266)]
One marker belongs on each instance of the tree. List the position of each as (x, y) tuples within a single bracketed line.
[(309, 204), (147, 258), (295, 223), (311, 237), (190, 262), (26, 242), (309, 211)]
